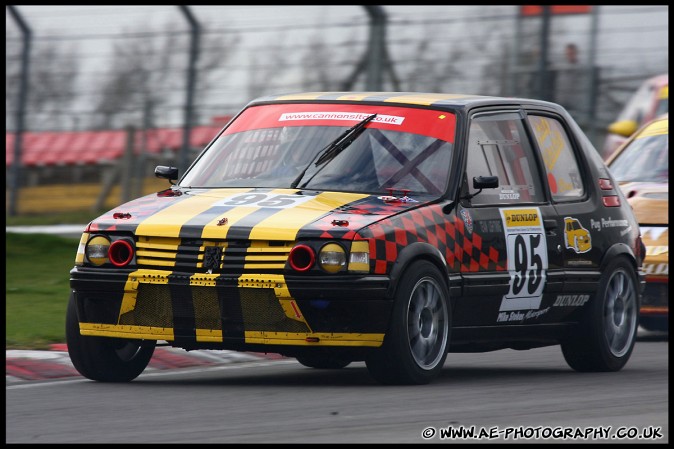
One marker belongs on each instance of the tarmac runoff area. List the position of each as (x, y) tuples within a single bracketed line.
[(24, 365)]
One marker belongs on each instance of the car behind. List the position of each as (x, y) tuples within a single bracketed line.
[(641, 166), (649, 101)]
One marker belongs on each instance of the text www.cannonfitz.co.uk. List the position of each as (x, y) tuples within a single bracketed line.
[(542, 433)]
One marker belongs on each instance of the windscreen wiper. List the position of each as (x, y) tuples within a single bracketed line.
[(334, 148)]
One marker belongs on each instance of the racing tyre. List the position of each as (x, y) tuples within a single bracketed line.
[(415, 346), (324, 360), (105, 359), (608, 330)]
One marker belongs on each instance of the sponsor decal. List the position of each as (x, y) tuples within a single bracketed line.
[(519, 316), (527, 258), (570, 300), (579, 262), (336, 115), (607, 223), (491, 226), (576, 237), (508, 195), (467, 221)]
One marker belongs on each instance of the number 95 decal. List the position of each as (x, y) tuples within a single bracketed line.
[(527, 258), (270, 200)]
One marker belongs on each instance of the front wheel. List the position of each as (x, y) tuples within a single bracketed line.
[(415, 346), (608, 329), (105, 359)]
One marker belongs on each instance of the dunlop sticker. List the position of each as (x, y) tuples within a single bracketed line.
[(527, 258)]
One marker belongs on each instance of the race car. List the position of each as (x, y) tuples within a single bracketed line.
[(641, 166), (385, 227)]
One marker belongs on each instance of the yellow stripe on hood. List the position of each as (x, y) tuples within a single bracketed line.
[(168, 221), (285, 224)]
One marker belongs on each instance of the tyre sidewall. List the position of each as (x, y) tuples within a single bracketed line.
[(396, 343), (96, 358), (588, 349)]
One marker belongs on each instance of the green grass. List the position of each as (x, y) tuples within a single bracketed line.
[(53, 218), (37, 289)]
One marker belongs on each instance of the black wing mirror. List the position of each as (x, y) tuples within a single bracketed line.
[(482, 182), (162, 171)]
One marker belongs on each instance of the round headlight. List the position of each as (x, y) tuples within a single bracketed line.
[(332, 258), (97, 250)]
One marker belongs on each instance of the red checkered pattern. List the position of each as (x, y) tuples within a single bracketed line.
[(429, 224), (358, 215)]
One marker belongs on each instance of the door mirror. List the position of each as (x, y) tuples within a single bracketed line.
[(162, 171), (485, 182), (623, 128)]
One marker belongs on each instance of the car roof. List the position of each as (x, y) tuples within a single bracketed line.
[(440, 100)]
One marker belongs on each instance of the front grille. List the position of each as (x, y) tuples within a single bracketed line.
[(231, 256), (259, 309), (153, 307), (262, 312)]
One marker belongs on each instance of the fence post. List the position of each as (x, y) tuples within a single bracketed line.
[(20, 111)]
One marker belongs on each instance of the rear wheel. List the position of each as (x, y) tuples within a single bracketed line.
[(608, 330), (415, 347), (105, 359)]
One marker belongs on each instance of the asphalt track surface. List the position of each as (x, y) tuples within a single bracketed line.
[(509, 396)]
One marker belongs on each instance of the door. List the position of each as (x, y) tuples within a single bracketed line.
[(515, 221)]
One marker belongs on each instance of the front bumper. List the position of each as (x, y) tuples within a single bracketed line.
[(655, 297), (202, 310)]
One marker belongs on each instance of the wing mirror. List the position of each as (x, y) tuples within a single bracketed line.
[(482, 182), (164, 172)]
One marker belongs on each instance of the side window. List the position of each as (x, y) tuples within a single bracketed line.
[(498, 146), (560, 162)]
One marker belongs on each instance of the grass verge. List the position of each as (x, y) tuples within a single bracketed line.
[(37, 289)]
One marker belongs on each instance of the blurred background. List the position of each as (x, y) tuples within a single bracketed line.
[(97, 96)]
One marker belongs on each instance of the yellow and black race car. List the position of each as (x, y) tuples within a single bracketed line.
[(641, 166), (390, 228)]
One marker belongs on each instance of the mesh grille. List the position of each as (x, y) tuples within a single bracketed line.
[(260, 308), (262, 312), (206, 308), (153, 307)]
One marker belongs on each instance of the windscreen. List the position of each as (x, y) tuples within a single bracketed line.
[(278, 146), (646, 158)]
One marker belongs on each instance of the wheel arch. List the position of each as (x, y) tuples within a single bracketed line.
[(616, 250), (419, 251)]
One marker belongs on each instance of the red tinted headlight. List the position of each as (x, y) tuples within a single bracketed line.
[(301, 258), (120, 253)]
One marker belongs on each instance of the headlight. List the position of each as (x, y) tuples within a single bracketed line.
[(332, 258), (301, 258), (120, 253), (97, 250), (359, 257), (100, 250)]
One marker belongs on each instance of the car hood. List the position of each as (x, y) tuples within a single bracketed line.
[(255, 214), (649, 200)]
